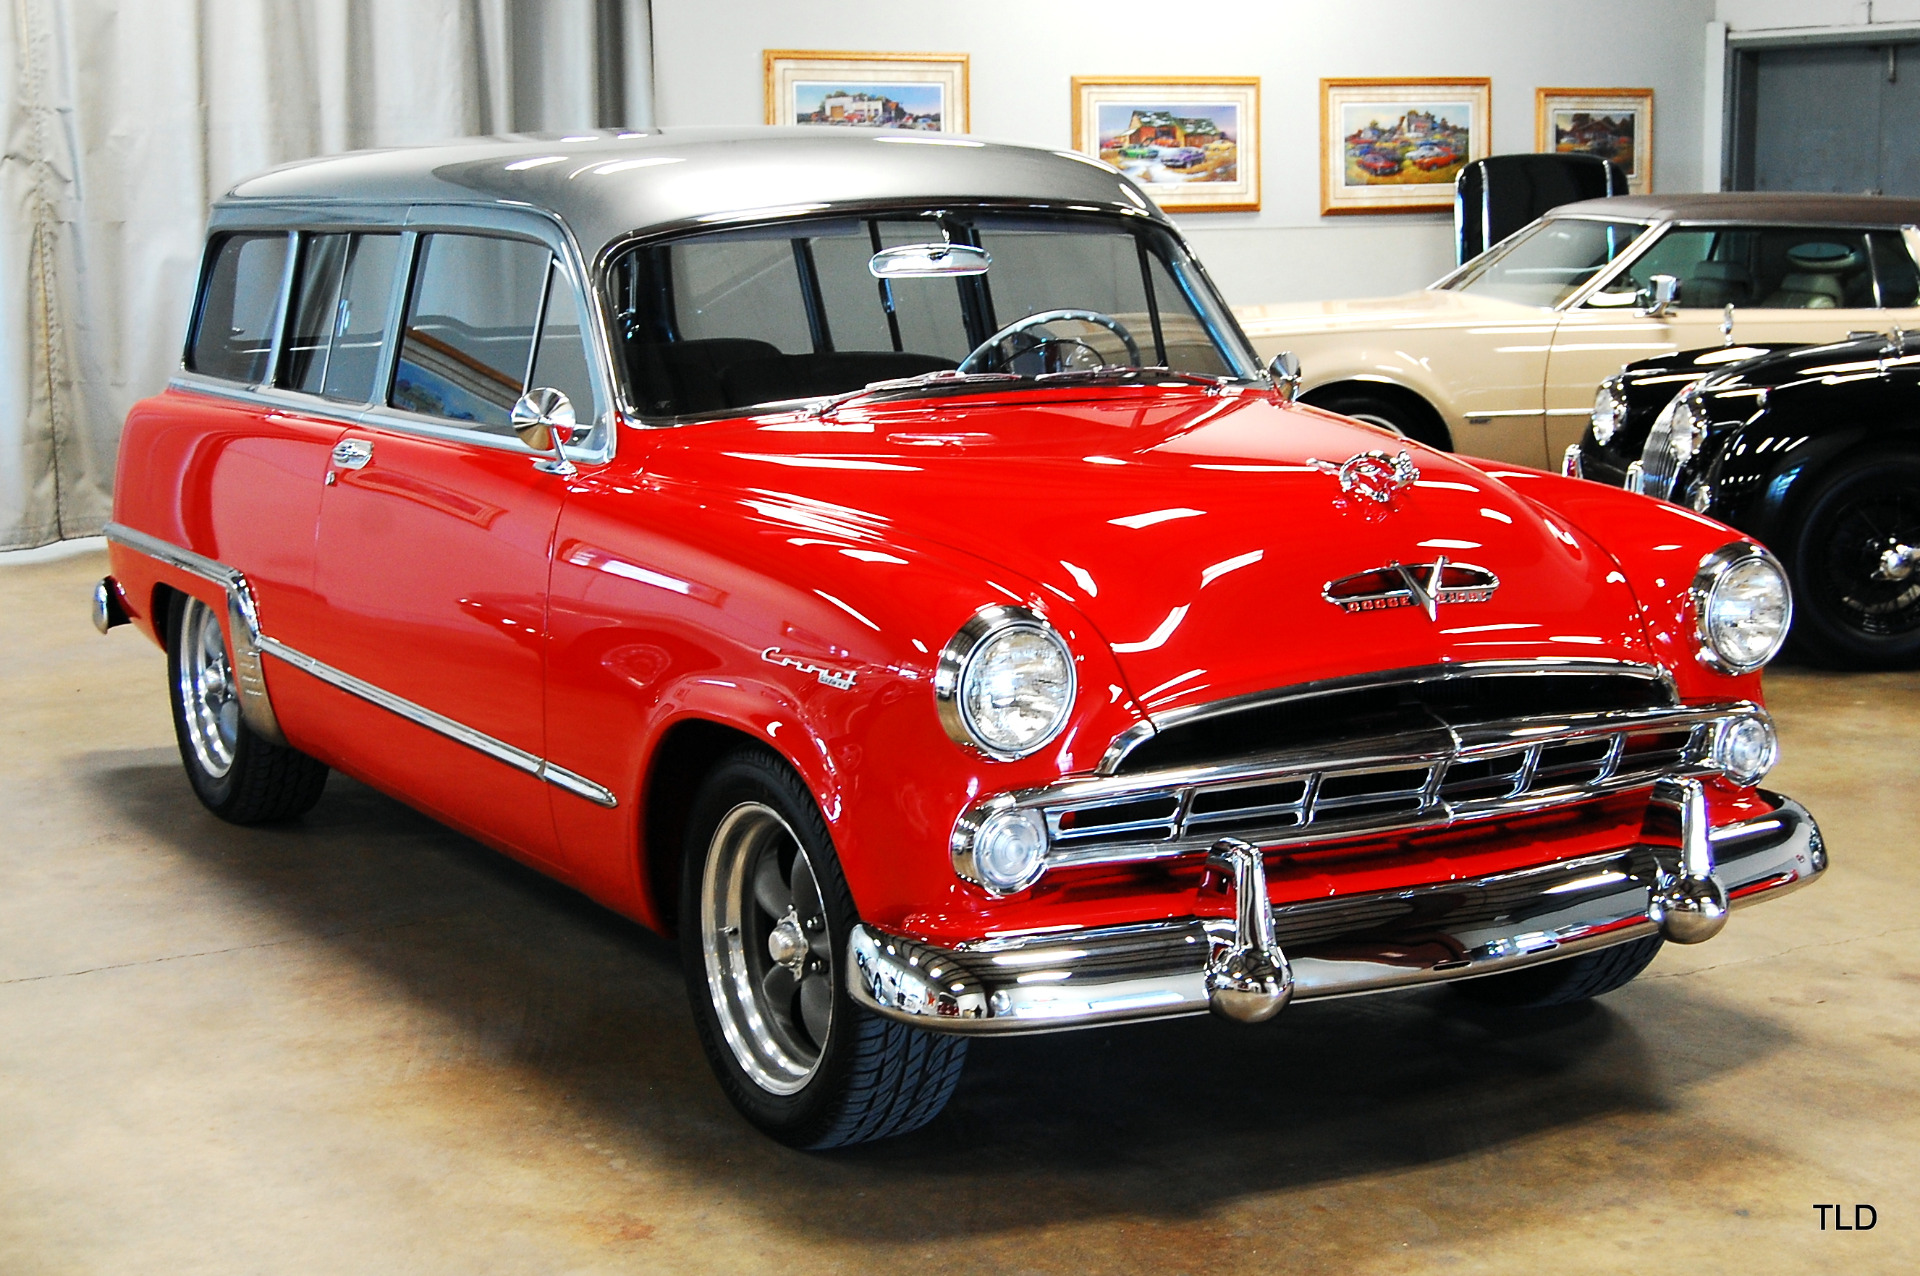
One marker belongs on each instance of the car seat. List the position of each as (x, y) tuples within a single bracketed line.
[(1813, 280)]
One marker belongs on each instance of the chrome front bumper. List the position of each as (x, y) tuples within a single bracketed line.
[(1249, 965)]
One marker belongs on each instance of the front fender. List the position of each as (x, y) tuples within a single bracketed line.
[(1658, 547), (668, 605)]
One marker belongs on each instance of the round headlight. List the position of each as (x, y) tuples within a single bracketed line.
[(1607, 411), (1689, 429), (1006, 852), (1745, 748), (1743, 606), (1005, 683)]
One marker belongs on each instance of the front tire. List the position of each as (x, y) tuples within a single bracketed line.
[(235, 774), (1854, 606), (765, 915), (1562, 983)]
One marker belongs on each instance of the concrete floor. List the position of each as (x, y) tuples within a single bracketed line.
[(364, 1044)]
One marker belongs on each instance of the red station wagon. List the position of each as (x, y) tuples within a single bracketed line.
[(879, 559)]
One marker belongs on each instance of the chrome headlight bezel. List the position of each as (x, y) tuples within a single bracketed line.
[(1689, 428), (1722, 746), (975, 826), (960, 657), (1609, 411), (1715, 569)]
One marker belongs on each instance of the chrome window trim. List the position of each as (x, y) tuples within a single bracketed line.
[(298, 218), (1139, 733), (245, 633)]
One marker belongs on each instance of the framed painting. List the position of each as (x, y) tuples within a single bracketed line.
[(1615, 124), (923, 91), (1193, 144), (1395, 146)]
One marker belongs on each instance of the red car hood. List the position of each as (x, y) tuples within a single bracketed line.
[(1194, 532)]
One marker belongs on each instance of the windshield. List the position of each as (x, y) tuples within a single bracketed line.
[(1548, 262), (730, 320)]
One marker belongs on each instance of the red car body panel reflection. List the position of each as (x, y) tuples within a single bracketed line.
[(794, 578)]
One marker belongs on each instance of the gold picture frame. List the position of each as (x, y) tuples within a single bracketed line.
[(1609, 123), (868, 90), (1396, 145), (1192, 142)]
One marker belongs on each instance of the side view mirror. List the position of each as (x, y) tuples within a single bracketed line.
[(543, 418), (1660, 296), (1284, 372)]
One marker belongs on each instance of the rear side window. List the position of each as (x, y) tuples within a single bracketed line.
[(341, 290), (468, 350), (233, 337)]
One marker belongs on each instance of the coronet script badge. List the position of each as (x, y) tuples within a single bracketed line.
[(1422, 585), (1373, 476)]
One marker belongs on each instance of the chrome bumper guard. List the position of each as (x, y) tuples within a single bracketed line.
[(1247, 966)]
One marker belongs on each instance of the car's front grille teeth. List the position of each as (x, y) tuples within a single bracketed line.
[(1413, 792)]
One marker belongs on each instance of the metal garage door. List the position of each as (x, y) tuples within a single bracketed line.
[(1838, 118)]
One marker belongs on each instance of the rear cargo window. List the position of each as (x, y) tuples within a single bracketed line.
[(233, 337)]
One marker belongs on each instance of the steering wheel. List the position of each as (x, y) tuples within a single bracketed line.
[(980, 353)]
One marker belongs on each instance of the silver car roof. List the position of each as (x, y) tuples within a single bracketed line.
[(1780, 208), (608, 185)]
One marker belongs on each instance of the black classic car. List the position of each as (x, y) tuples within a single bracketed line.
[(1812, 449)]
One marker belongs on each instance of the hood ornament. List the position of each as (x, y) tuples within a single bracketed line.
[(1374, 476), (1422, 585)]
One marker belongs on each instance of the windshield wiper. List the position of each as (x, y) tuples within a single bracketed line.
[(940, 380), (1129, 372)]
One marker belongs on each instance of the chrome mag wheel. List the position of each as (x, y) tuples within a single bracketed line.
[(769, 956), (209, 703)]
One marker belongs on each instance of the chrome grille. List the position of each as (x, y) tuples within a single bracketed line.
[(1424, 779)]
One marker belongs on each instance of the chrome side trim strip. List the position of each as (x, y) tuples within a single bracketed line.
[(1059, 979), (243, 623), (244, 631)]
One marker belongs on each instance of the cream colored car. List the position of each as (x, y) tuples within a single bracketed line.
[(1502, 357)]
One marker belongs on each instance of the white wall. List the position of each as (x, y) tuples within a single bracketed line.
[(708, 69), (1762, 15)]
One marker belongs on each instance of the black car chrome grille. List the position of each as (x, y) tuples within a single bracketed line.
[(1428, 778)]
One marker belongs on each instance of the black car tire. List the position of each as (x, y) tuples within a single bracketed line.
[(238, 776), (805, 1064), (1383, 411), (1561, 983), (1842, 615)]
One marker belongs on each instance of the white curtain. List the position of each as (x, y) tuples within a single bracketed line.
[(124, 118)]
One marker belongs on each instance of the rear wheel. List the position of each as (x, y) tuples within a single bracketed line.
[(1561, 983), (765, 919), (1387, 412), (1855, 566), (235, 774)]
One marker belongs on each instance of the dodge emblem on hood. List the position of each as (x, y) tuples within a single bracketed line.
[(1424, 585), (1373, 475)]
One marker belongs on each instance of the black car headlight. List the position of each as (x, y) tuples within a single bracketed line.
[(1005, 683), (1742, 607)]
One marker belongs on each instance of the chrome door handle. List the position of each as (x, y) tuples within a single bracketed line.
[(352, 454)]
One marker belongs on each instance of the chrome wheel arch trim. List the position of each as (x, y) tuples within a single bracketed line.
[(256, 705)]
